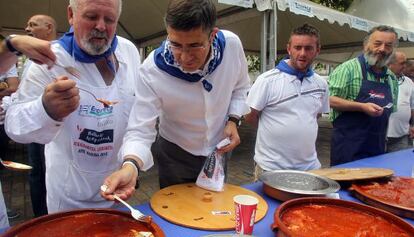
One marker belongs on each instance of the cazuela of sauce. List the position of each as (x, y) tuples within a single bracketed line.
[(335, 221), (399, 191), (86, 225)]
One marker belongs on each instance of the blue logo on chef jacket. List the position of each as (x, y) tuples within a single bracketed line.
[(95, 111), (95, 137)]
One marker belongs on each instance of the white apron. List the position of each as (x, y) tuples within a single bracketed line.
[(96, 136)]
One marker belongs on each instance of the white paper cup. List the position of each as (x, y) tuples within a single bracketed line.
[(245, 211)]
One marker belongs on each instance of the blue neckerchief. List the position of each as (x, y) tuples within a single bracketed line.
[(284, 67), (368, 67), (68, 42), (164, 59)]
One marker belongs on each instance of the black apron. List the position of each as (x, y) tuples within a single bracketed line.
[(357, 135)]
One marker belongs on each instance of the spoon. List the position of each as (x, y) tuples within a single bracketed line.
[(136, 214), (14, 165)]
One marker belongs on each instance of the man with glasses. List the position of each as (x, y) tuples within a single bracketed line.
[(361, 93), (196, 84), (400, 133)]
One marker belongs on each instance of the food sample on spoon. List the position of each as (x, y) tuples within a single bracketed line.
[(107, 103)]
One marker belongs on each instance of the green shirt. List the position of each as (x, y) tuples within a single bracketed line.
[(345, 82)]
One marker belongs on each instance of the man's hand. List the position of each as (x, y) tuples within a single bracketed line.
[(230, 131), (121, 182), (372, 109), (61, 98)]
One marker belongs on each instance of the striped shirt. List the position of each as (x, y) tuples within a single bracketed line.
[(345, 82)]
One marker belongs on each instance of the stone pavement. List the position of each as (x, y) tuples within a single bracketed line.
[(240, 171)]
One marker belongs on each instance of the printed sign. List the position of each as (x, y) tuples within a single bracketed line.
[(240, 3), (359, 24), (301, 8)]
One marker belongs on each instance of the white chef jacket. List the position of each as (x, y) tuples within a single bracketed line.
[(27, 121), (399, 123), (190, 116), (288, 127)]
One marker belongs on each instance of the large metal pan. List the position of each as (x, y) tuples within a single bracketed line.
[(288, 184)]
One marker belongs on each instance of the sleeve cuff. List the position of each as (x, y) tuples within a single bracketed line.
[(238, 108), (140, 151)]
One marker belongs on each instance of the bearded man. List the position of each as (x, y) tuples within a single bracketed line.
[(363, 94), (82, 135)]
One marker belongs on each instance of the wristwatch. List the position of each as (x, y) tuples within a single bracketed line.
[(135, 163), (10, 46), (235, 120)]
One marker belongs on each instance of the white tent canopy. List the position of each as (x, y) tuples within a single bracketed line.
[(142, 22), (397, 13)]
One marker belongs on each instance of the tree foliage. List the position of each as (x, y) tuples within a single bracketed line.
[(340, 5)]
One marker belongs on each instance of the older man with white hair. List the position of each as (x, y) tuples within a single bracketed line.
[(82, 116), (400, 130), (363, 93)]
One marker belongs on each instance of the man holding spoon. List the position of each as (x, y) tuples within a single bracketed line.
[(82, 136), (360, 89)]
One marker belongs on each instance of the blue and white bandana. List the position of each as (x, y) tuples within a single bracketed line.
[(164, 59), (68, 42), (284, 67)]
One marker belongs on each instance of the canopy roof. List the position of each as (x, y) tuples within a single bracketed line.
[(142, 22)]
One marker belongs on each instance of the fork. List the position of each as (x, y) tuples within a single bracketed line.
[(71, 70), (136, 214)]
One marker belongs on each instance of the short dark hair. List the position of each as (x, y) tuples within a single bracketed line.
[(381, 28), (185, 15), (306, 29)]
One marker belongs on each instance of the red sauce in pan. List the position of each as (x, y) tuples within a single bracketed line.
[(86, 225), (335, 221), (399, 190)]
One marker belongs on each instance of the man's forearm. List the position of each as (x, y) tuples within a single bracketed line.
[(344, 105)]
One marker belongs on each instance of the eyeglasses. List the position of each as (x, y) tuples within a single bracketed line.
[(193, 49)]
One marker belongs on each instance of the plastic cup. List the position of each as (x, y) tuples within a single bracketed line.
[(245, 210)]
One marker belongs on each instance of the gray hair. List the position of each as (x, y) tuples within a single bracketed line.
[(74, 5), (382, 28)]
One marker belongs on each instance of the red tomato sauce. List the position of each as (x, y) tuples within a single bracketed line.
[(313, 220), (399, 190), (86, 225)]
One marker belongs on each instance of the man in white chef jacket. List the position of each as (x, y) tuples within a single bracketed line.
[(82, 135), (196, 83)]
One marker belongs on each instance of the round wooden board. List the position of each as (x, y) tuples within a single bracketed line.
[(191, 206), (353, 174)]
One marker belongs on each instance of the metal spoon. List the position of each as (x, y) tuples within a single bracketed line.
[(71, 70)]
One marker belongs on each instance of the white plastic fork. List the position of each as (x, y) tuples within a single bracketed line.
[(136, 214), (139, 216)]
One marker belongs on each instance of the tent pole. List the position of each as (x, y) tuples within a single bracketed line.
[(275, 32), (272, 38), (263, 45)]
